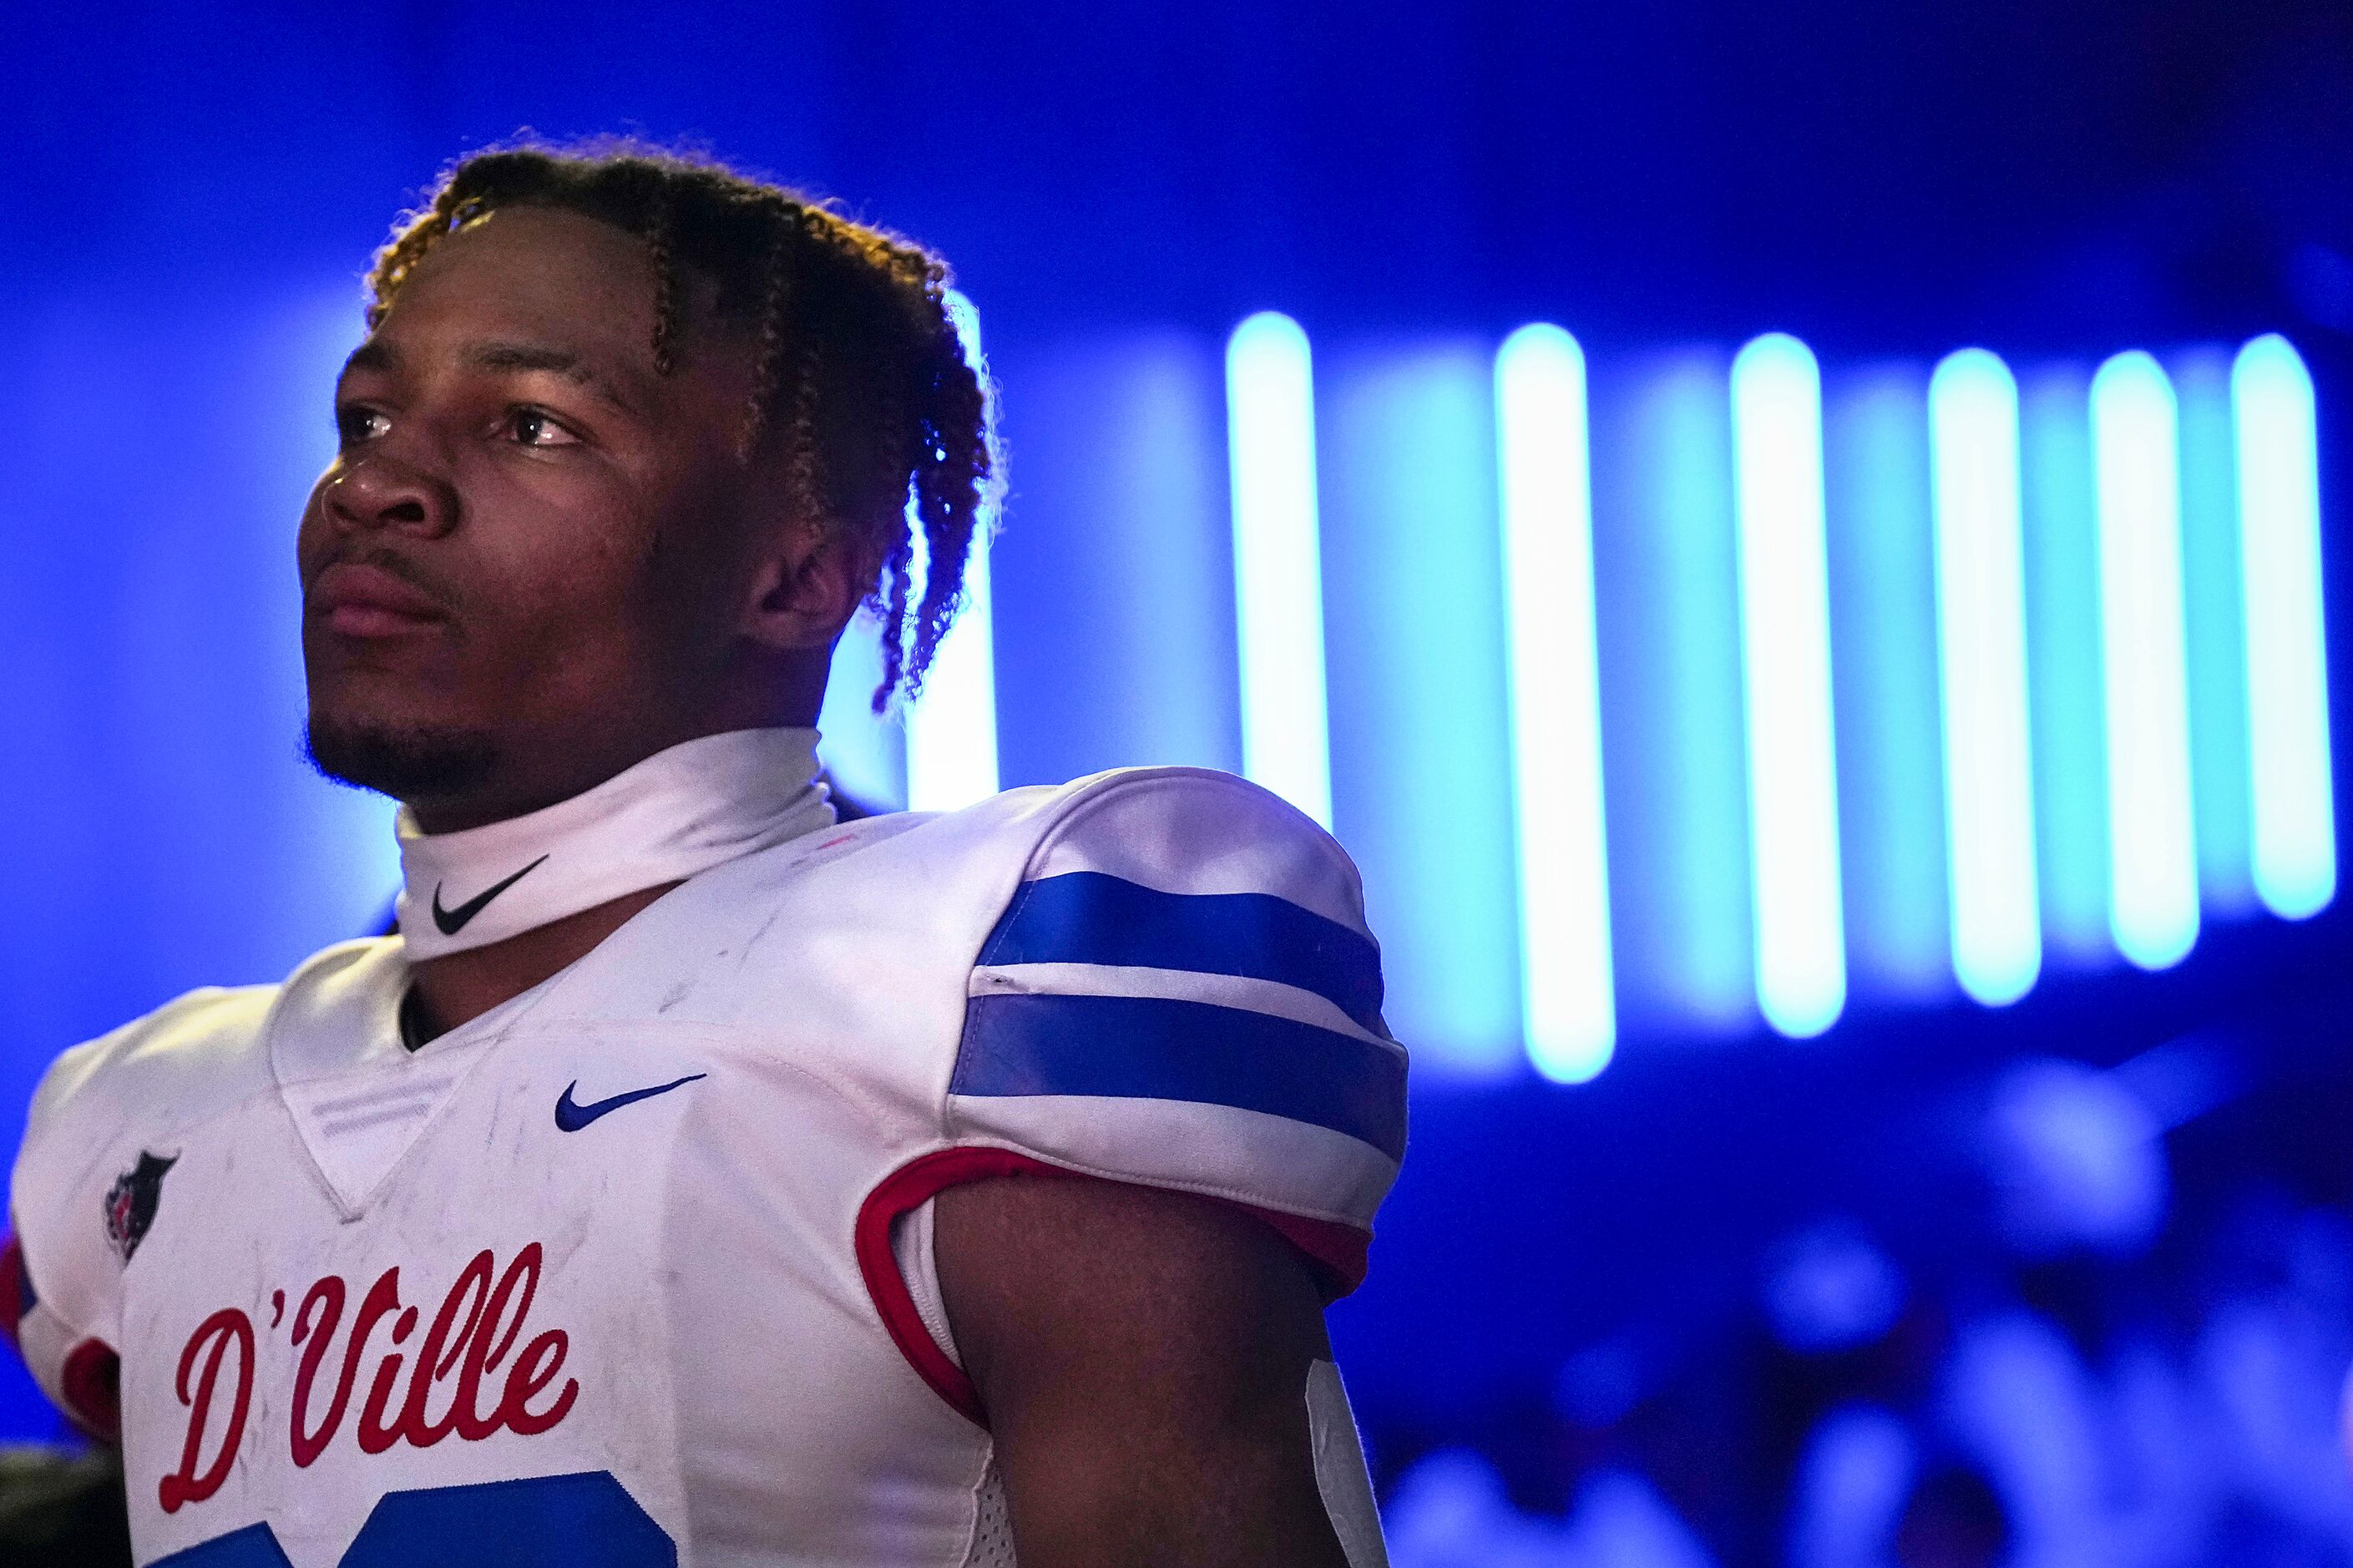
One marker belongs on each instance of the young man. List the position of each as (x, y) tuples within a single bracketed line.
[(693, 1179)]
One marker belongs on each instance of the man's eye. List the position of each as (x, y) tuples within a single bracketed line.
[(356, 424), (532, 428)]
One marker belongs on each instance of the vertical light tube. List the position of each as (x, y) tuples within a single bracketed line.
[(1981, 649), (864, 753), (951, 728), (1567, 1003), (2152, 862), (1776, 437), (2287, 661), (1278, 565)]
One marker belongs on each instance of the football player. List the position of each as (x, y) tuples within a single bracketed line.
[(694, 1178)]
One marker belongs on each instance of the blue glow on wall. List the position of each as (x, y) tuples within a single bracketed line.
[(1942, 592), (1422, 786), (1785, 626), (166, 678), (1669, 618), (2294, 828), (2212, 635), (1567, 993), (2064, 684), (1981, 655), (1115, 580), (1890, 746), (149, 622), (2152, 866)]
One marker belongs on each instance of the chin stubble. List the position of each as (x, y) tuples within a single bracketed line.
[(407, 764)]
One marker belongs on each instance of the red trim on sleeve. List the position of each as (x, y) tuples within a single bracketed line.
[(13, 1305), (1342, 1250), (904, 1190), (1337, 1248), (92, 1378), (92, 1381)]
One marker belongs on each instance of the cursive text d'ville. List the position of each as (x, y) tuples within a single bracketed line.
[(464, 1348)]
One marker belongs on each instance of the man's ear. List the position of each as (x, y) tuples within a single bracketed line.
[(806, 588)]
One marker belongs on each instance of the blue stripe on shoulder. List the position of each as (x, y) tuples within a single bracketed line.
[(1090, 917), (1151, 1048)]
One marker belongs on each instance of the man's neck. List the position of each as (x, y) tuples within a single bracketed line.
[(456, 988), (523, 788)]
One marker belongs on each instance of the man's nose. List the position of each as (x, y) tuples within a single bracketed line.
[(377, 491)]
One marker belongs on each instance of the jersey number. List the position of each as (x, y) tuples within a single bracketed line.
[(584, 1520)]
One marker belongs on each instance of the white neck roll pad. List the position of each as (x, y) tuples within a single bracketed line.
[(684, 810)]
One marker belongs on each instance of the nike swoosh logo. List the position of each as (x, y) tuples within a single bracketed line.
[(452, 922), (571, 1117)]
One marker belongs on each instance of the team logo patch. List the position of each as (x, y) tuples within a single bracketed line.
[(131, 1201)]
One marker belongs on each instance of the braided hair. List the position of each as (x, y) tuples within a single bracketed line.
[(886, 419)]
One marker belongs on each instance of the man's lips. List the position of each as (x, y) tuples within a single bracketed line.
[(361, 601)]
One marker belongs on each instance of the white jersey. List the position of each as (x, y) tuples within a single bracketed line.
[(635, 1268)]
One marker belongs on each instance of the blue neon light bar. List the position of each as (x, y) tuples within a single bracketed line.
[(1278, 567), (2294, 851), (1981, 644), (2153, 865), (1785, 635), (1567, 1002)]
